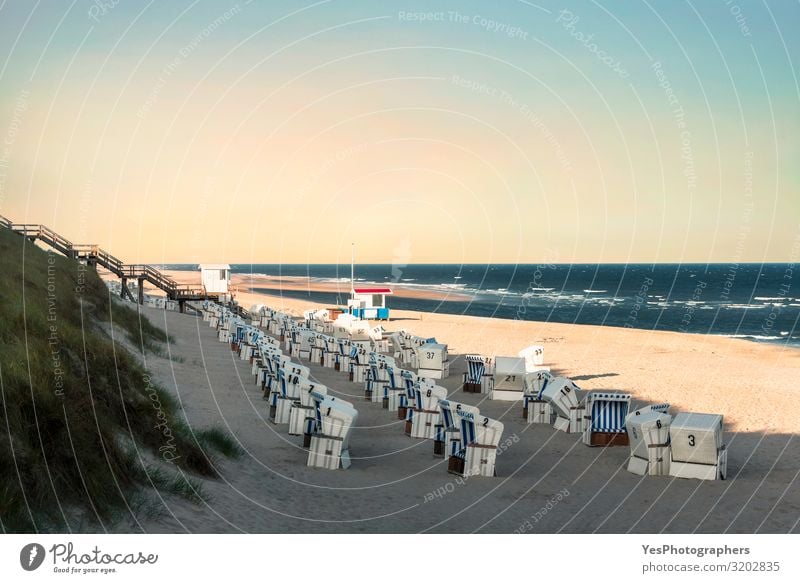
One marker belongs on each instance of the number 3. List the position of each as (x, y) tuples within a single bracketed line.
[(691, 440)]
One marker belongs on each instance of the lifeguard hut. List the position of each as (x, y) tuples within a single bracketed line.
[(215, 277), (369, 303), (366, 303)]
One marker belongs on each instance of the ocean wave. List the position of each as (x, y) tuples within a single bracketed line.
[(770, 299), (751, 336), (595, 291)]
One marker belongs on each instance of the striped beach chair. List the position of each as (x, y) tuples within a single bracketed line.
[(330, 443), (480, 437), (604, 418), (534, 409), (447, 441), (425, 415), (303, 407), (478, 377)]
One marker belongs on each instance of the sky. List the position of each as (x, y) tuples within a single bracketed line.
[(422, 132)]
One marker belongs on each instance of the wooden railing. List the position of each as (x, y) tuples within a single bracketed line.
[(96, 254)]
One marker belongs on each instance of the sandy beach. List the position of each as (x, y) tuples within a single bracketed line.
[(396, 485)]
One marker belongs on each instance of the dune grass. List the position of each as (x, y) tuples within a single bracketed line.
[(76, 411)]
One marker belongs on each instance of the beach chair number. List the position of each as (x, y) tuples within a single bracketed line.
[(428, 394), (511, 378), (658, 424), (565, 390), (329, 412), (429, 355), (485, 421), (691, 440)]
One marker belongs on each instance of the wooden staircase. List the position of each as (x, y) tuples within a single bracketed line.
[(94, 255)]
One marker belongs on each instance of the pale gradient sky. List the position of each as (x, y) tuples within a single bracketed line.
[(287, 130)]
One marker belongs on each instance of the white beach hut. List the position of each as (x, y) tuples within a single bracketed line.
[(215, 277), (697, 448)]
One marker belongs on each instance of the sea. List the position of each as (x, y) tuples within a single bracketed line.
[(759, 302)]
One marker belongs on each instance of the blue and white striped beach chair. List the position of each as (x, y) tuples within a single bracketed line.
[(480, 437), (329, 447), (425, 416), (534, 409), (604, 420), (478, 377), (447, 441)]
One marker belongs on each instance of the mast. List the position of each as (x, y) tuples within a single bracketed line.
[(352, 270)]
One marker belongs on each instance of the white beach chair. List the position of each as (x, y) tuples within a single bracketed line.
[(408, 397), (480, 437), (329, 446), (278, 398), (534, 408), (303, 408), (604, 418), (424, 418), (696, 447), (648, 433), (432, 361), (534, 357), (479, 376), (508, 380), (565, 398), (448, 436)]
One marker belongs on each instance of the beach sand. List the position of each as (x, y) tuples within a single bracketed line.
[(396, 485)]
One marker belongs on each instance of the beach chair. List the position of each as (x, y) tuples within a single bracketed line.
[(508, 378), (378, 342), (432, 361), (330, 356), (534, 358), (447, 441), (408, 397), (379, 369), (478, 377), (648, 433), (329, 446), (312, 424), (696, 447), (303, 408), (565, 398), (424, 418), (534, 408), (480, 437), (358, 363), (396, 344), (604, 418)]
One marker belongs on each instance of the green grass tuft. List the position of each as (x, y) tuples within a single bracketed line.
[(72, 403)]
